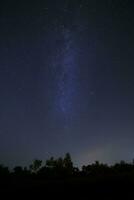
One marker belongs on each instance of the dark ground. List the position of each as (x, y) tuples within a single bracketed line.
[(62, 189)]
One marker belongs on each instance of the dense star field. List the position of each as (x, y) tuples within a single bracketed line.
[(66, 80)]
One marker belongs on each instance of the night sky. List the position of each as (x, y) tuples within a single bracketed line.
[(66, 80)]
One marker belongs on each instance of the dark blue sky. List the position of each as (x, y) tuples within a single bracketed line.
[(66, 80)]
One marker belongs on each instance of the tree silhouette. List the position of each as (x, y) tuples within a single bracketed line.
[(60, 163), (35, 166), (18, 170), (4, 171), (51, 163), (68, 164)]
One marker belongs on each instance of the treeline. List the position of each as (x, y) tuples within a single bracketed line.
[(63, 168)]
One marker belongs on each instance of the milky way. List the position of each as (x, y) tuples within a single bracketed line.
[(66, 80)]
